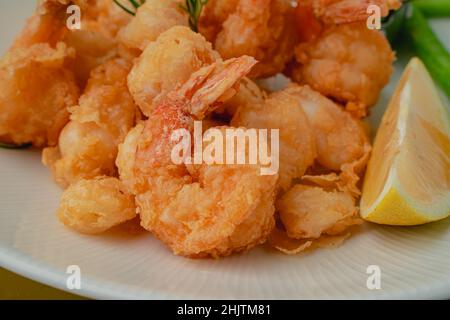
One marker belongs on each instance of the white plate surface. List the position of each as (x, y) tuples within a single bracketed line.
[(414, 262)]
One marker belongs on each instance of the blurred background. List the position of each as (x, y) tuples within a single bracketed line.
[(13, 286)]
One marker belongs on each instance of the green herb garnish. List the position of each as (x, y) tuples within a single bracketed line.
[(194, 9), (135, 3), (13, 146)]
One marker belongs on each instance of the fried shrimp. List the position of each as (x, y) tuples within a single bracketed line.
[(37, 82), (92, 49), (46, 25), (197, 210), (152, 18), (38, 79), (107, 18), (249, 93), (94, 206), (49, 23), (96, 43), (126, 159), (345, 11), (309, 212), (214, 14), (262, 29), (88, 144), (36, 90), (216, 125), (297, 139), (340, 138), (167, 63), (349, 63)]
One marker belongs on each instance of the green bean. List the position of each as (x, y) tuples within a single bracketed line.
[(433, 8), (428, 47), (393, 24)]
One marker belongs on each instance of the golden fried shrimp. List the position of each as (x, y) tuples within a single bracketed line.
[(92, 49), (126, 159), (263, 29), (224, 209), (214, 14), (297, 139), (167, 63), (84, 151), (96, 43), (309, 212), (107, 101), (36, 90), (340, 138), (349, 63), (197, 210), (308, 26), (46, 25), (152, 18), (104, 16), (36, 79), (249, 93), (107, 19), (94, 206), (88, 144), (345, 11)]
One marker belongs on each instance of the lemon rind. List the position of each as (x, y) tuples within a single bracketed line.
[(395, 207)]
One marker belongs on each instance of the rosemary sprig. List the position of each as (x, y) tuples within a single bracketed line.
[(194, 9), (13, 146), (135, 3)]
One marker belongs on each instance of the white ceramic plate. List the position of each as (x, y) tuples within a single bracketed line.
[(414, 262)]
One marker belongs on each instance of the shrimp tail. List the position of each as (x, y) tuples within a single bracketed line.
[(211, 86)]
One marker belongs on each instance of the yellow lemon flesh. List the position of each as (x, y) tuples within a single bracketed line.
[(408, 176)]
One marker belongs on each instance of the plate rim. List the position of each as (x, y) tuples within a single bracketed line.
[(16, 262)]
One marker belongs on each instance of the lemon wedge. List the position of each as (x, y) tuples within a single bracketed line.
[(408, 176)]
